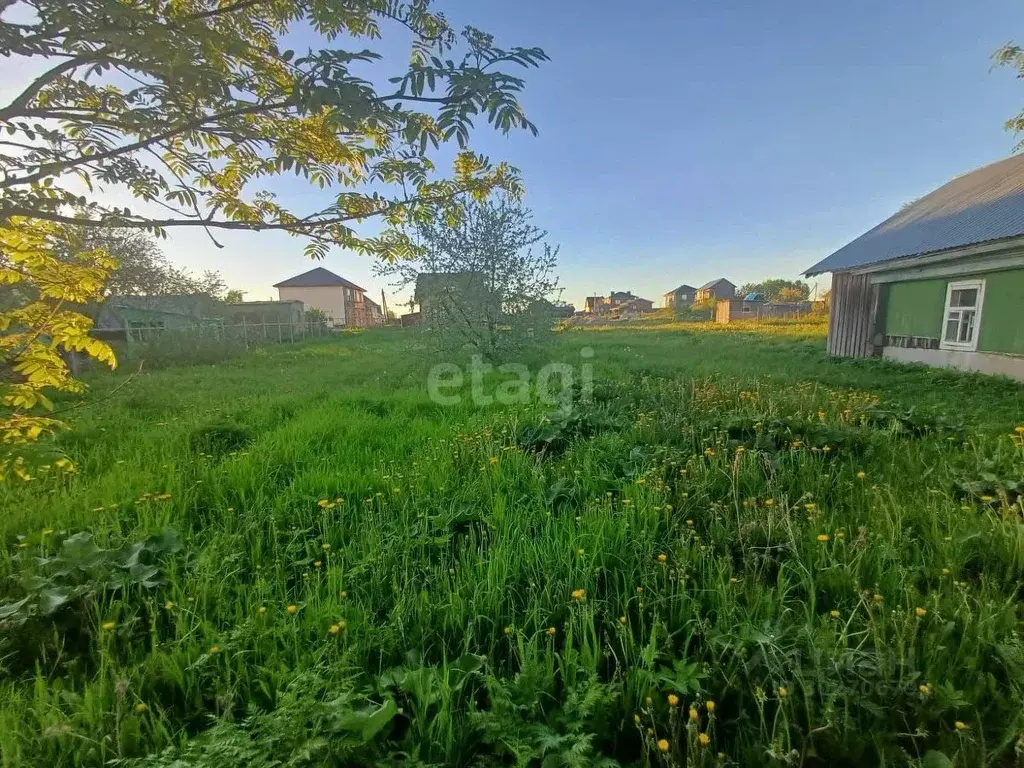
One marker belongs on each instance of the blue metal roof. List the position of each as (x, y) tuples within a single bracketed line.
[(983, 205)]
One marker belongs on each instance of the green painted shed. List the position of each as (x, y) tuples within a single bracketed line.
[(940, 282)]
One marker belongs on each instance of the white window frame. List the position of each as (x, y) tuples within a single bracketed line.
[(960, 285)]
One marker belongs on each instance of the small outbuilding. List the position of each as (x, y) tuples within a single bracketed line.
[(754, 307)]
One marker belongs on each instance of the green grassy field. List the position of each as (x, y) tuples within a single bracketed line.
[(739, 552)]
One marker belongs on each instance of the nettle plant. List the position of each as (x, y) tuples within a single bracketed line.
[(196, 108)]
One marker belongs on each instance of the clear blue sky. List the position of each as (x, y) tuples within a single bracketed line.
[(682, 141)]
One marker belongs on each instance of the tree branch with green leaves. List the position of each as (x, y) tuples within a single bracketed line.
[(197, 109)]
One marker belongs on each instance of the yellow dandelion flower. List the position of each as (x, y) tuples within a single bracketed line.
[(734, 580), (141, 708), (673, 700), (834, 614), (552, 631), (648, 702), (292, 609), (334, 629), (578, 594), (662, 557), (878, 598), (109, 626), (344, 594), (703, 739), (325, 547), (710, 706), (986, 498), (783, 693), (920, 612), (709, 452), (508, 630), (581, 552), (861, 475), (168, 606), (493, 459), (324, 503), (961, 726), (823, 537), (694, 714), (261, 610), (925, 689), (663, 745), (622, 620), (769, 502), (1019, 430), (946, 572), (214, 650)]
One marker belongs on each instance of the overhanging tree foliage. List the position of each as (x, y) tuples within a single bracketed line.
[(1012, 55), (196, 107), (778, 289), (142, 267)]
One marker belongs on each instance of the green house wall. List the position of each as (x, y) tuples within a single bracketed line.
[(1002, 318), (915, 308)]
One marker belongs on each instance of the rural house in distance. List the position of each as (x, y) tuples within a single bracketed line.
[(683, 296), (941, 281), (344, 302), (715, 289), (617, 304)]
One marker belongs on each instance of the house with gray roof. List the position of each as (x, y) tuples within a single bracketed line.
[(713, 290), (342, 301), (939, 282), (680, 297)]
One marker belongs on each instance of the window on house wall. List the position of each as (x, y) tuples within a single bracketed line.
[(964, 299)]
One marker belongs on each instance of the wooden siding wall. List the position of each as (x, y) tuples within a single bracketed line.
[(851, 324)]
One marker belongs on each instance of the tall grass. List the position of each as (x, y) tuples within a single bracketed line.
[(739, 553)]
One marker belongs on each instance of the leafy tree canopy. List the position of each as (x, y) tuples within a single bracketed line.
[(479, 282), (196, 108), (140, 266), (777, 289)]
